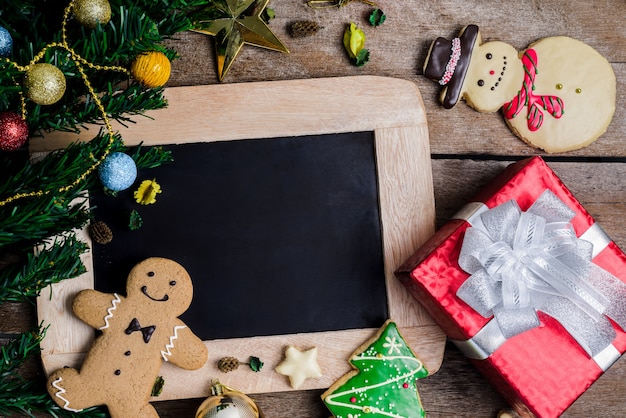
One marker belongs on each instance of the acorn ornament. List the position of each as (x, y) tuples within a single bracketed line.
[(91, 12), (226, 402), (13, 131), (151, 69), (45, 84)]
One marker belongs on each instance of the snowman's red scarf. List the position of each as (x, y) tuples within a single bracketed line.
[(527, 98)]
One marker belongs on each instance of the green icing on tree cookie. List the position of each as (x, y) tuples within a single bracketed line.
[(384, 384)]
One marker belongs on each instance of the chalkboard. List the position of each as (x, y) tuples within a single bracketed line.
[(279, 235), (355, 145)]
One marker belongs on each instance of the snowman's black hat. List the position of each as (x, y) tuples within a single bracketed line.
[(448, 61)]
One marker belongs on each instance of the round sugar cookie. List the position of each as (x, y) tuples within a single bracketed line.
[(585, 82)]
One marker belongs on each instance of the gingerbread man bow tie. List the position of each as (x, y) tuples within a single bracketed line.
[(145, 331), (526, 97)]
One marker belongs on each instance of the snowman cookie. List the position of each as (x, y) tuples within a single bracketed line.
[(139, 332), (557, 95)]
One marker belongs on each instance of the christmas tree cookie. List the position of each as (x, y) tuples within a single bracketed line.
[(384, 382)]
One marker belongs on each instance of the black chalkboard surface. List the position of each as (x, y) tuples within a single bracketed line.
[(279, 235)]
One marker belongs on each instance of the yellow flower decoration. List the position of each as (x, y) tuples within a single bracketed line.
[(147, 191), (354, 42)]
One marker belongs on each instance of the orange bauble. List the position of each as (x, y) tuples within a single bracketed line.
[(151, 69)]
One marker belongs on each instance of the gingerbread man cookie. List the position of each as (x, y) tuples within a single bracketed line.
[(557, 95), (139, 332)]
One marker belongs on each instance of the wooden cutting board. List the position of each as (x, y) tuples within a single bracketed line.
[(391, 108)]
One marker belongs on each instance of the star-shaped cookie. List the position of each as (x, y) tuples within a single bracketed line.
[(299, 365), (233, 23)]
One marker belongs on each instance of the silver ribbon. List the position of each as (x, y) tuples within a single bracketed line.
[(524, 262)]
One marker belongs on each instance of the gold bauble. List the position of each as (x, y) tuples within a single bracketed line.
[(151, 69), (89, 12), (226, 402), (45, 84)]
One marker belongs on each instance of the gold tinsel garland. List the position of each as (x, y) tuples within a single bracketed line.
[(80, 63)]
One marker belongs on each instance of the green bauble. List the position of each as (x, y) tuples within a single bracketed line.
[(89, 12), (45, 84)]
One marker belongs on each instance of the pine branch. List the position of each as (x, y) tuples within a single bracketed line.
[(27, 222), (44, 217), (58, 261), (152, 157), (129, 32), (120, 104), (176, 16), (25, 396), (134, 28), (16, 352)]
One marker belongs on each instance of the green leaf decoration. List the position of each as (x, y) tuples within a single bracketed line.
[(157, 388), (255, 364), (377, 17), (362, 58), (268, 14), (136, 221)]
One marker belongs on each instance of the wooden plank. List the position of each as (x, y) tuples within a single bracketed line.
[(456, 390), (16, 317), (404, 229), (333, 350), (66, 333), (399, 47), (462, 130), (406, 207), (598, 186)]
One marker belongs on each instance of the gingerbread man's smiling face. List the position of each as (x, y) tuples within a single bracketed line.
[(494, 76), (163, 282)]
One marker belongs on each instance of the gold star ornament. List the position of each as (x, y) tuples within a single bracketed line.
[(234, 23), (299, 365)]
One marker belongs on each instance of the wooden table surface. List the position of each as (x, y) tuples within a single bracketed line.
[(468, 149)]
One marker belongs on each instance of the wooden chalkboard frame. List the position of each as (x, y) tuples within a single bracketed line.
[(391, 108)]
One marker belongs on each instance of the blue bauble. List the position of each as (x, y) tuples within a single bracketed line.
[(6, 43), (118, 171)]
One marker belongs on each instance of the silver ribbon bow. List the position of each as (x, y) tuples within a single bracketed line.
[(524, 262)]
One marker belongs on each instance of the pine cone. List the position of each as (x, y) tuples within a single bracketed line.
[(228, 364), (100, 232), (302, 28)]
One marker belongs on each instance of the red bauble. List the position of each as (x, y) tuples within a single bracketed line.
[(13, 131)]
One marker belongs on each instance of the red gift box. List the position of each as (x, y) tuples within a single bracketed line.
[(541, 371)]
